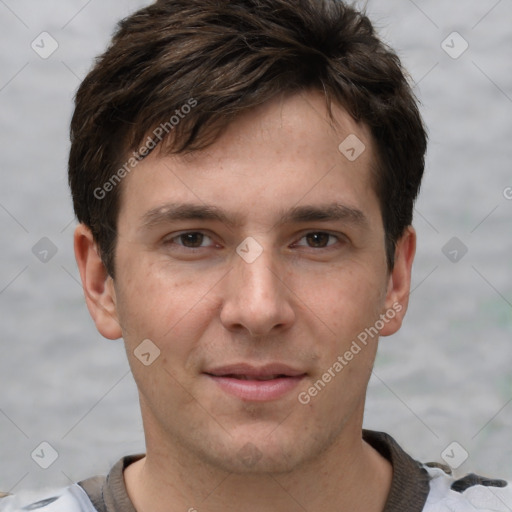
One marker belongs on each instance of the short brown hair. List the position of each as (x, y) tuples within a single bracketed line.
[(222, 58)]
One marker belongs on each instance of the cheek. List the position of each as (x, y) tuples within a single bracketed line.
[(346, 301), (160, 303)]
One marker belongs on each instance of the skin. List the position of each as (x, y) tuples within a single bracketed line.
[(302, 302)]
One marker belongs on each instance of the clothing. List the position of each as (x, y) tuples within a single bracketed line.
[(415, 487)]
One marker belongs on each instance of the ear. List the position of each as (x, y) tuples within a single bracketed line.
[(399, 285), (97, 284)]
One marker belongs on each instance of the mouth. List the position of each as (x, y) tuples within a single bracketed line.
[(251, 377), (258, 384)]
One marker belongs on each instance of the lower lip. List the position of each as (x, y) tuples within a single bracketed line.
[(257, 390)]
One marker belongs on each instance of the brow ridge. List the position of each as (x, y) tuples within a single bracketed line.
[(173, 212)]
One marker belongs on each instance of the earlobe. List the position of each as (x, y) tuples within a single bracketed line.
[(97, 284), (399, 285)]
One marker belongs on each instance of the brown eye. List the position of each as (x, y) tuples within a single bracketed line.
[(318, 239), (192, 240)]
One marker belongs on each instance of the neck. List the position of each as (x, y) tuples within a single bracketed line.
[(351, 475)]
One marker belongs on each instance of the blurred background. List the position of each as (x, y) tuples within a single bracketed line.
[(442, 386)]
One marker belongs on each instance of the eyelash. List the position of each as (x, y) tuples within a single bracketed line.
[(171, 241)]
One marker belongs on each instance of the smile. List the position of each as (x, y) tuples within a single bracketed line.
[(248, 383)]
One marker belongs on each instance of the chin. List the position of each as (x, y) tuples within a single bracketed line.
[(250, 460), (251, 455)]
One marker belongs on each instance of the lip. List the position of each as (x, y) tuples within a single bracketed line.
[(281, 379)]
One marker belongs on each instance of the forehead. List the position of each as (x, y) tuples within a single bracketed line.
[(274, 157), (303, 126)]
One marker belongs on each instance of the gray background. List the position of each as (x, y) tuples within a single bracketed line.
[(444, 377)]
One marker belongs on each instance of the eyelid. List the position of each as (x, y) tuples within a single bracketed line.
[(340, 237), (171, 239)]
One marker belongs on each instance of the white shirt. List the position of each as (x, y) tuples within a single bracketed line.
[(441, 498)]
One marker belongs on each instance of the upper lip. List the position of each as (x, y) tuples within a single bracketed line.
[(255, 371)]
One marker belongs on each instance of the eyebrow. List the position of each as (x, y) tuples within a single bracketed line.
[(330, 212), (174, 212), (183, 211)]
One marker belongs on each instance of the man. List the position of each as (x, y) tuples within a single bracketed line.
[(244, 174)]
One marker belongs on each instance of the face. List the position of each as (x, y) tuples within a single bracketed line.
[(257, 270)]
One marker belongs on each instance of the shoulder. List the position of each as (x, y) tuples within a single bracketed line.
[(470, 493), (68, 499)]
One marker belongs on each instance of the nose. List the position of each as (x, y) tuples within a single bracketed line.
[(257, 299)]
